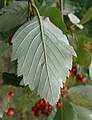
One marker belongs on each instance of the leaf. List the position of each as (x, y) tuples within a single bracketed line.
[(5, 35), (13, 15), (55, 16), (87, 16), (81, 95), (11, 79), (82, 113), (65, 112), (90, 70), (84, 51), (3, 105), (75, 20), (44, 57)]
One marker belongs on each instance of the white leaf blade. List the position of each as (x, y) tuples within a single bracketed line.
[(81, 113), (75, 20), (43, 70)]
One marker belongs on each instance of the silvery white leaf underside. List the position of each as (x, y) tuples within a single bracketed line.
[(44, 57)]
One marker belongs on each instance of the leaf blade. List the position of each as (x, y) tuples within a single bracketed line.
[(81, 95), (37, 53)]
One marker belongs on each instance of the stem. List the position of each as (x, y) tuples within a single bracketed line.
[(61, 9), (28, 10), (40, 21), (42, 35)]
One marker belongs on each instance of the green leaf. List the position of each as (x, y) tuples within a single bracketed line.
[(82, 113), (13, 15), (11, 79), (65, 112), (3, 104), (81, 95), (55, 16), (44, 57), (87, 16), (84, 51)]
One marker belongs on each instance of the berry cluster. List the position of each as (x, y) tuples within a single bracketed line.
[(10, 111), (76, 72), (43, 107)]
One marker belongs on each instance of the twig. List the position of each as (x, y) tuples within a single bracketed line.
[(32, 2)]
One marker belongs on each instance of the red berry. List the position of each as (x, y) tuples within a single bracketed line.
[(11, 95), (63, 95), (84, 79), (41, 101), (71, 73), (34, 108), (49, 107), (37, 105), (36, 113), (76, 66), (10, 112), (81, 79), (64, 88), (59, 104), (47, 113), (10, 39), (43, 111)]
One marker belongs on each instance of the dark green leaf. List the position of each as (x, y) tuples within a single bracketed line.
[(13, 15), (87, 16), (11, 79), (84, 51), (55, 16), (65, 112)]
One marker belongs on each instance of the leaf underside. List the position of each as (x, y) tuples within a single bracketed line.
[(81, 113), (81, 95), (44, 57)]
